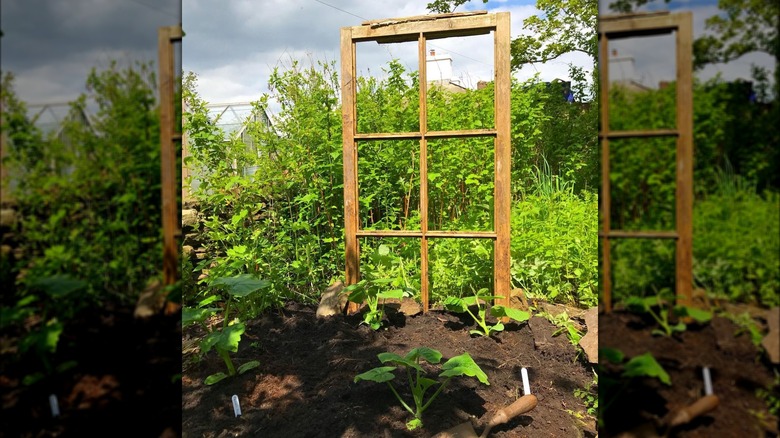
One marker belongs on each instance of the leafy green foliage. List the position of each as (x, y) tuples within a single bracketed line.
[(55, 300), (284, 222), (736, 226), (370, 291), (554, 251), (224, 340), (89, 195), (461, 365), (480, 299)]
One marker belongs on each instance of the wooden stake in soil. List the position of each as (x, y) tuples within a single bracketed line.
[(170, 207)]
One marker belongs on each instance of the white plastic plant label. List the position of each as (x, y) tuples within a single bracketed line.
[(236, 406), (526, 385)]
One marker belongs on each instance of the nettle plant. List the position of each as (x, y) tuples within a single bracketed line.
[(480, 299), (657, 307), (224, 339), (462, 365)]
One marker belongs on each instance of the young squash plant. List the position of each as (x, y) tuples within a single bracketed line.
[(655, 306), (462, 365), (480, 298), (374, 288), (226, 338)]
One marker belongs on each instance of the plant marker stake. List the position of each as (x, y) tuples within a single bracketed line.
[(236, 406), (526, 385), (707, 381), (54, 405)]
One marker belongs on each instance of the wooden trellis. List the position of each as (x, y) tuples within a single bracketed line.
[(635, 25), (167, 37), (421, 29)]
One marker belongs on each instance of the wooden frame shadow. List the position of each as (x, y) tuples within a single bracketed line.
[(635, 25), (421, 29)]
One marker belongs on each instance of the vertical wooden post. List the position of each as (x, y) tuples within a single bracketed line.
[(684, 195), (170, 206), (503, 160), (351, 208), (185, 152), (423, 91), (605, 196)]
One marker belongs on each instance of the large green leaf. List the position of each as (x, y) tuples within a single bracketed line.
[(248, 366), (516, 314), (701, 316), (226, 339), (241, 285), (611, 354), (379, 375), (455, 304), (645, 365), (429, 354), (231, 336), (214, 378), (191, 316), (463, 365), (396, 359), (58, 286), (43, 340), (391, 294)]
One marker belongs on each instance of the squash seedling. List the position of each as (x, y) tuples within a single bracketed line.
[(225, 339), (462, 365), (374, 288), (661, 315), (480, 298)]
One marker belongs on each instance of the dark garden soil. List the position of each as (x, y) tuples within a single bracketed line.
[(125, 382), (738, 370), (304, 385)]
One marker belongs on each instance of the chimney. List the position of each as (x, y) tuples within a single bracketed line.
[(433, 52)]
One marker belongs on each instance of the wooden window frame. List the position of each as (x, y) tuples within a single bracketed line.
[(421, 29), (646, 24)]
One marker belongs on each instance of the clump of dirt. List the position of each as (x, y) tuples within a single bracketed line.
[(737, 368), (304, 385)]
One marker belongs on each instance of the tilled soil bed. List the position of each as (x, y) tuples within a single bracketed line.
[(738, 372), (304, 385), (125, 381)]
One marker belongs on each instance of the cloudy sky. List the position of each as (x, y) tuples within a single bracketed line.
[(50, 45), (233, 48), (651, 59)]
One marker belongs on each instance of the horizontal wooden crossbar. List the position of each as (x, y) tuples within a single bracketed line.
[(639, 234), (466, 133), (640, 134), (646, 24), (408, 29), (430, 234)]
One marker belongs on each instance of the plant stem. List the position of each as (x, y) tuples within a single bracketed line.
[(433, 397), (401, 400), (226, 357)]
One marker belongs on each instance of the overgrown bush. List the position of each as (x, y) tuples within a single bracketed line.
[(90, 198), (284, 222)]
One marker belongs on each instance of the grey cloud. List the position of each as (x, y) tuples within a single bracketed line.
[(60, 41)]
